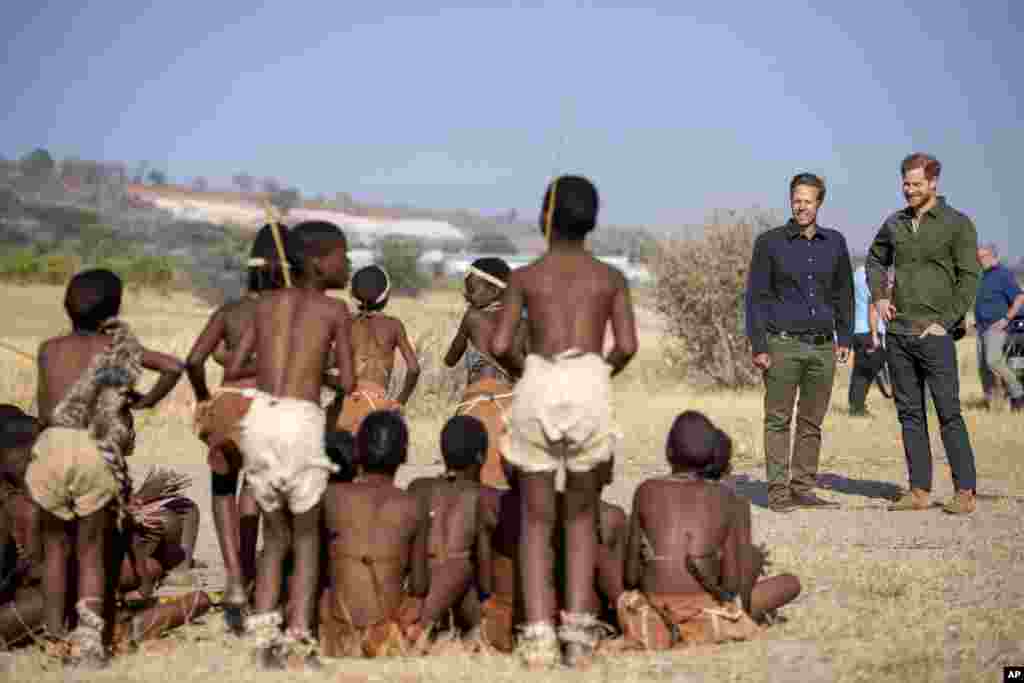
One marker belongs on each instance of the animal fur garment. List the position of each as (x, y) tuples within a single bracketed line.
[(161, 490), (99, 402)]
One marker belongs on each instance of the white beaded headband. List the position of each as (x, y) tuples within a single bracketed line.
[(488, 277)]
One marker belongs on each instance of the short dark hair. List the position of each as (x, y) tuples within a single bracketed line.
[(463, 442), (808, 180), (575, 207), (382, 443), (18, 429), (696, 445), (932, 166), (368, 284), (93, 296), (316, 238), (341, 447), (270, 274), (494, 266)]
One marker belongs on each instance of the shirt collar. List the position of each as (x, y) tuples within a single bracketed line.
[(793, 230), (934, 212)]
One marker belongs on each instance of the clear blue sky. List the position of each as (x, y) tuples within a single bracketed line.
[(673, 109)]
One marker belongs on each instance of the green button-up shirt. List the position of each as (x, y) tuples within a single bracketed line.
[(936, 267)]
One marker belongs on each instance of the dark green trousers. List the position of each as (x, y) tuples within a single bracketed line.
[(797, 367)]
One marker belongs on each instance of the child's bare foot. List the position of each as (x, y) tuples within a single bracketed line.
[(85, 649), (537, 646), (234, 604), (290, 651), (581, 634)]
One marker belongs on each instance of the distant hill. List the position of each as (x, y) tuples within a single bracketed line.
[(448, 229), (77, 213)]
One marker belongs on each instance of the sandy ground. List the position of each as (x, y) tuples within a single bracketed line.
[(887, 596)]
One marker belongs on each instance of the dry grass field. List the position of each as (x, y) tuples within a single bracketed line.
[(887, 596)]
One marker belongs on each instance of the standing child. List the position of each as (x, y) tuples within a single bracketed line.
[(562, 411), (374, 339), (489, 384), (282, 433), (78, 473), (218, 416)]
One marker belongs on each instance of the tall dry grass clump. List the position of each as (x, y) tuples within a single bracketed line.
[(700, 283)]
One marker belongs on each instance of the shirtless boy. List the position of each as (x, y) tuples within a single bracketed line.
[(86, 387), (282, 434), (377, 535), (218, 416), (690, 553), (451, 500), (562, 411), (489, 384), (375, 337)]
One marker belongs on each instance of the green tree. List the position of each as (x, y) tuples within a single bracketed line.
[(400, 256), (38, 164), (157, 177)]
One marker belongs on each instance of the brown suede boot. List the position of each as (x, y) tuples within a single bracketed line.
[(962, 503), (914, 499)]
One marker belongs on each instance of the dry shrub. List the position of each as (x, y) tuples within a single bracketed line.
[(700, 286)]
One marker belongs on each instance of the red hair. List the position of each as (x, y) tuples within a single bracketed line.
[(932, 167)]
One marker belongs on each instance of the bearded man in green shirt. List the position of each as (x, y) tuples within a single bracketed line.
[(932, 247)]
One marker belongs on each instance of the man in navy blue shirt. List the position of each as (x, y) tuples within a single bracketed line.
[(999, 301), (800, 321)]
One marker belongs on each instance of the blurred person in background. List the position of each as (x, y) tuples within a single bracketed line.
[(1000, 300)]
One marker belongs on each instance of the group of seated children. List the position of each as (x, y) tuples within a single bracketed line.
[(434, 568)]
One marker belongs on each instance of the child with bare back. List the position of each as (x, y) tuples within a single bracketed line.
[(489, 384), (218, 415), (690, 556), (377, 535), (562, 411), (375, 337), (452, 501), (78, 475), (499, 529), (282, 434)]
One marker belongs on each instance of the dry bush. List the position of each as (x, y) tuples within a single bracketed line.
[(700, 285)]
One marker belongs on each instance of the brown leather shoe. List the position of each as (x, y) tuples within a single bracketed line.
[(963, 503), (810, 500), (914, 499)]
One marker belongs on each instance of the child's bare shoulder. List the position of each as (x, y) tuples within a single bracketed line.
[(332, 303)]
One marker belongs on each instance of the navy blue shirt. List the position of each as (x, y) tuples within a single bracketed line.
[(799, 285), (996, 291)]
